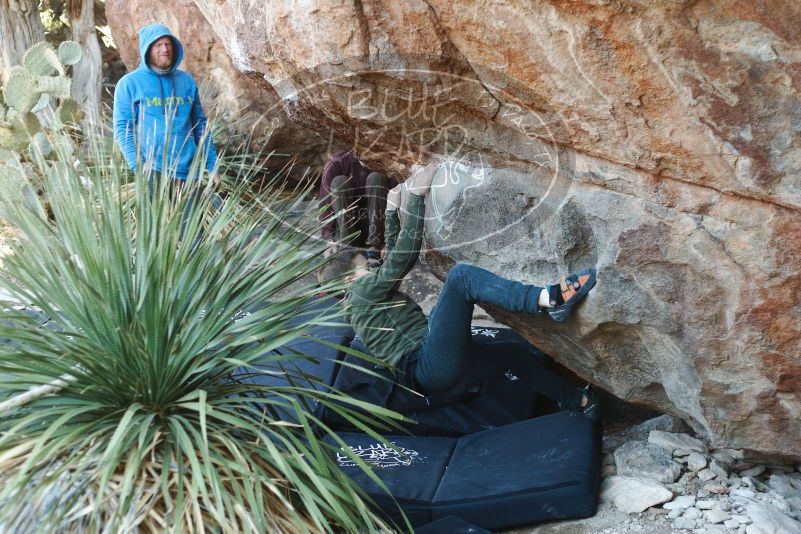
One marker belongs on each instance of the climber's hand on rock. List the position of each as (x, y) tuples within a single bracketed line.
[(420, 182)]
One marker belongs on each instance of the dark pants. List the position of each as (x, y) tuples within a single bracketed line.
[(449, 362), (354, 213)]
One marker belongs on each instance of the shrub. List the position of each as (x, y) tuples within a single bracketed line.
[(158, 299)]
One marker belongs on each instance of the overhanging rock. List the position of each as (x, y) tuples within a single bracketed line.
[(658, 142)]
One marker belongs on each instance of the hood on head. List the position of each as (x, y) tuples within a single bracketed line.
[(152, 33)]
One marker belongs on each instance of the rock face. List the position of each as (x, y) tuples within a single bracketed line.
[(244, 107), (656, 141)]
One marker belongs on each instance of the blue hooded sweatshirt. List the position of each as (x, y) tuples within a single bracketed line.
[(153, 111)]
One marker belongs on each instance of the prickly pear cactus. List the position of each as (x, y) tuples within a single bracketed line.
[(41, 77), (27, 149), (42, 60), (20, 91)]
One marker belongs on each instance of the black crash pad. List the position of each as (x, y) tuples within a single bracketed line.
[(500, 400), (305, 361), (535, 470)]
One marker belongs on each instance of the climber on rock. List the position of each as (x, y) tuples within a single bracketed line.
[(158, 118), (352, 199), (436, 355)]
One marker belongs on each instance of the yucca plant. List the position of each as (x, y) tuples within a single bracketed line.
[(140, 422)]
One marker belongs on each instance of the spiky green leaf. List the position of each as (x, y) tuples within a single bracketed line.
[(42, 60), (62, 144), (69, 52), (40, 145)]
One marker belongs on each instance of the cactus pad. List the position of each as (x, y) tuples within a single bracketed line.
[(70, 112), (56, 86), (7, 155), (20, 91), (69, 52), (41, 60), (8, 140), (44, 100), (25, 125)]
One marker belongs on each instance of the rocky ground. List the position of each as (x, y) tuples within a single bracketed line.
[(659, 478)]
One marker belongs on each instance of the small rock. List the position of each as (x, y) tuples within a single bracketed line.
[(742, 519), (681, 452), (716, 515), (742, 466), (731, 523), (673, 514), (608, 471), (737, 454), (683, 523), (706, 474), (718, 468), (755, 484), (609, 459), (632, 494), (794, 502), (667, 423), (725, 506), (656, 511), (640, 459), (682, 502), (716, 488), (672, 441), (768, 520), (780, 504), (753, 471), (743, 492), (702, 493), (696, 461), (692, 513), (723, 456), (705, 505), (786, 485)]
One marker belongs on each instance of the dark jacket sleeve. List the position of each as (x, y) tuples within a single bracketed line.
[(331, 170), (391, 229), (402, 257), (124, 125)]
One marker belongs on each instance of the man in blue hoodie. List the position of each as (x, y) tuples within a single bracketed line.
[(158, 119)]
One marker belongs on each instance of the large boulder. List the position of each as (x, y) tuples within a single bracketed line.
[(657, 141), (243, 107)]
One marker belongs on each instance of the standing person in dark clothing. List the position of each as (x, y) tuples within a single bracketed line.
[(438, 352), (358, 198)]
